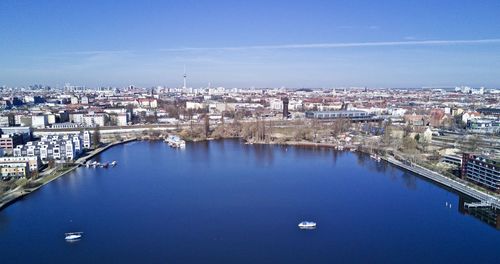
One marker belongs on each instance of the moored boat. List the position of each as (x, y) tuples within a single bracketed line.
[(175, 142), (375, 157), (307, 225), (72, 236)]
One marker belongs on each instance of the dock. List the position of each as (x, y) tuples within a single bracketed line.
[(477, 205), (82, 160)]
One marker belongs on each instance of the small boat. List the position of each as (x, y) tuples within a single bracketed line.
[(113, 163), (375, 157), (72, 236), (175, 142), (104, 165), (307, 225)]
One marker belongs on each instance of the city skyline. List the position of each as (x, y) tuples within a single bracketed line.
[(260, 44)]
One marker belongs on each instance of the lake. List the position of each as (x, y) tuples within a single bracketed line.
[(227, 202)]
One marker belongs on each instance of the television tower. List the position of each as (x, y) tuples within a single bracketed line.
[(184, 87)]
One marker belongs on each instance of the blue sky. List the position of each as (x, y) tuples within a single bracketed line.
[(409, 43)]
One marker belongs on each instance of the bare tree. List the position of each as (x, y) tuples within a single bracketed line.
[(96, 137), (207, 125)]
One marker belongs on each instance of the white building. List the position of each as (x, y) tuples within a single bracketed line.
[(4, 121), (93, 120), (51, 119), (76, 118), (276, 104), (121, 120), (53, 147), (39, 121), (85, 100), (74, 100), (87, 140), (194, 105)]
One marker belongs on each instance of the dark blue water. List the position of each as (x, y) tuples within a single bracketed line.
[(225, 202)]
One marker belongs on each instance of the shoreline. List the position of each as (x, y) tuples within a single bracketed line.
[(418, 170), (19, 192)]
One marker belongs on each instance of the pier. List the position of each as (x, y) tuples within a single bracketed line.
[(485, 199), (477, 205), (82, 160)]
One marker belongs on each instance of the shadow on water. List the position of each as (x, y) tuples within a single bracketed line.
[(486, 215), (264, 155), (4, 221), (200, 151)]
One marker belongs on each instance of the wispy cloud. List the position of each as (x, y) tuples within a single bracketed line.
[(372, 27), (93, 52), (409, 38), (343, 45)]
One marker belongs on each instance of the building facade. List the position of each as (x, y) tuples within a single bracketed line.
[(347, 114), (14, 170), (481, 170), (33, 163), (60, 148), (9, 141)]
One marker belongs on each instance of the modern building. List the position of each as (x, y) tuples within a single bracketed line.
[(489, 112), (346, 114), (39, 121), (64, 125), (454, 160), (32, 162), (87, 140), (481, 170), (55, 147), (14, 170), (9, 141), (93, 120), (483, 125)]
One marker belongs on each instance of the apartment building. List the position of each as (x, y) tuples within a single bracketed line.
[(481, 170)]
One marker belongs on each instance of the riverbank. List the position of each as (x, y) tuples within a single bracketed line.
[(308, 144), (456, 185), (463, 187), (52, 174)]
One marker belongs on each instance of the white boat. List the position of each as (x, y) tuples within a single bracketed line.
[(113, 163), (72, 236), (175, 141), (307, 225), (375, 157)]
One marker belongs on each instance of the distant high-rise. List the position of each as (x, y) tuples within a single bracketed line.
[(185, 76), (285, 107)]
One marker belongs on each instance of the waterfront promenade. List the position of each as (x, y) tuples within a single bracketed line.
[(461, 187)]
